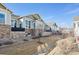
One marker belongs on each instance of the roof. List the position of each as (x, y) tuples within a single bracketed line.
[(76, 18), (15, 15), (32, 16), (2, 6)]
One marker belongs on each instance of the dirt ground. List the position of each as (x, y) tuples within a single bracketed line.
[(75, 51), (27, 47)]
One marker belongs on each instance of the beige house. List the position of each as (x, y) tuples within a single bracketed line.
[(5, 21), (5, 15)]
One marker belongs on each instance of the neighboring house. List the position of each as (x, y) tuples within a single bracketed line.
[(5, 15), (32, 23), (27, 22), (14, 20), (67, 31), (54, 27), (47, 28), (76, 28), (16, 24)]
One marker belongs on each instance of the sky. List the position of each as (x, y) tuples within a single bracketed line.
[(61, 13)]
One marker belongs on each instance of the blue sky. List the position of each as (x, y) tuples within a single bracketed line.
[(61, 13)]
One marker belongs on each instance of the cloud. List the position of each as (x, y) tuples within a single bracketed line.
[(73, 11)]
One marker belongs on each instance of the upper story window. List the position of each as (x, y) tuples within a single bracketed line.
[(2, 18)]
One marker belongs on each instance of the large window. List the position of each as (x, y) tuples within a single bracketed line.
[(2, 18)]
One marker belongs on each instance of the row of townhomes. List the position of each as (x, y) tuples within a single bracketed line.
[(15, 26)]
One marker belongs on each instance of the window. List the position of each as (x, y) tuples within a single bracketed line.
[(13, 23), (29, 24), (2, 18), (26, 23), (78, 24), (74, 25), (20, 24), (34, 25)]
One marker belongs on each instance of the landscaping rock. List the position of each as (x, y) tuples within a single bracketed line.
[(64, 46)]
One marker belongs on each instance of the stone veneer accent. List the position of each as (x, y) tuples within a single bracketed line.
[(18, 35), (4, 31)]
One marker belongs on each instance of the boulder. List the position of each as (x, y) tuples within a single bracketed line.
[(63, 46)]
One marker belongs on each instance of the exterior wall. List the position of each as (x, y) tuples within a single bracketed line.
[(14, 18), (30, 27), (53, 27), (5, 26), (76, 29), (4, 31), (7, 16), (18, 36), (40, 27), (26, 25)]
